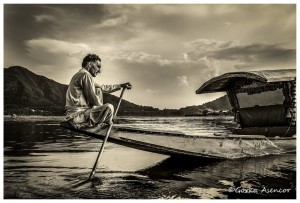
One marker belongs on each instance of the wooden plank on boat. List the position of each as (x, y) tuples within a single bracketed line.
[(99, 134), (273, 131), (157, 132)]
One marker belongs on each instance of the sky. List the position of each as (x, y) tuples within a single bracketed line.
[(166, 51)]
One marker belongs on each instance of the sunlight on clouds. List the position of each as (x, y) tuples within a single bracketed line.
[(210, 62), (112, 22), (182, 80), (55, 46), (203, 11), (185, 56), (135, 57), (164, 62), (52, 56), (44, 18), (206, 45)]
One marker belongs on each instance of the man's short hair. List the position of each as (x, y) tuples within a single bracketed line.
[(90, 58)]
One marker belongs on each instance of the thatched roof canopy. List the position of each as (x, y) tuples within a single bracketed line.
[(238, 79)]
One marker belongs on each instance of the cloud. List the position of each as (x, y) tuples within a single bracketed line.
[(164, 73), (51, 56), (258, 56), (136, 57), (207, 44), (201, 48), (44, 18), (112, 22), (250, 56), (151, 91), (52, 46), (182, 80), (185, 56), (255, 52)]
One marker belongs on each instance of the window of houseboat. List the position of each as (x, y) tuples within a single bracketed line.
[(261, 99)]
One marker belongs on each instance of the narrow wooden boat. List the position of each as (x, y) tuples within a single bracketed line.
[(263, 129)]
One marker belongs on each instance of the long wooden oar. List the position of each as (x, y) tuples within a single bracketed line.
[(106, 137)]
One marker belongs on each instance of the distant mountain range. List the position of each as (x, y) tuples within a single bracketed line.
[(26, 92), (24, 89)]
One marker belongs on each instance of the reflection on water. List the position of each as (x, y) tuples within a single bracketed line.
[(43, 160)]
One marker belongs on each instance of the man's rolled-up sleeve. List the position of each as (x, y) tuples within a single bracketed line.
[(110, 88)]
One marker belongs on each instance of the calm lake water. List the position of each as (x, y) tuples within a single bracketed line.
[(43, 160)]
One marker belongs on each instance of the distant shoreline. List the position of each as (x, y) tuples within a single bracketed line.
[(33, 118), (37, 118)]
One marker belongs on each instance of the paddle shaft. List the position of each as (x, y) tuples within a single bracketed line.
[(105, 139), (121, 96), (100, 153)]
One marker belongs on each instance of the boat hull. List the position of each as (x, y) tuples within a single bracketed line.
[(222, 146)]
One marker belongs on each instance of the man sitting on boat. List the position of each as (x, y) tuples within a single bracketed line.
[(84, 98)]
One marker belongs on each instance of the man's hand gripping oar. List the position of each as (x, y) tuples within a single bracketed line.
[(124, 87)]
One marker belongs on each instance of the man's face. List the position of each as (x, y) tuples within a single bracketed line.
[(95, 68)]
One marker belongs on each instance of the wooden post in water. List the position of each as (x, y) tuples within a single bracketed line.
[(105, 139)]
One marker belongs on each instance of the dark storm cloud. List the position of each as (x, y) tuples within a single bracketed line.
[(50, 20), (256, 55), (23, 23), (255, 52)]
